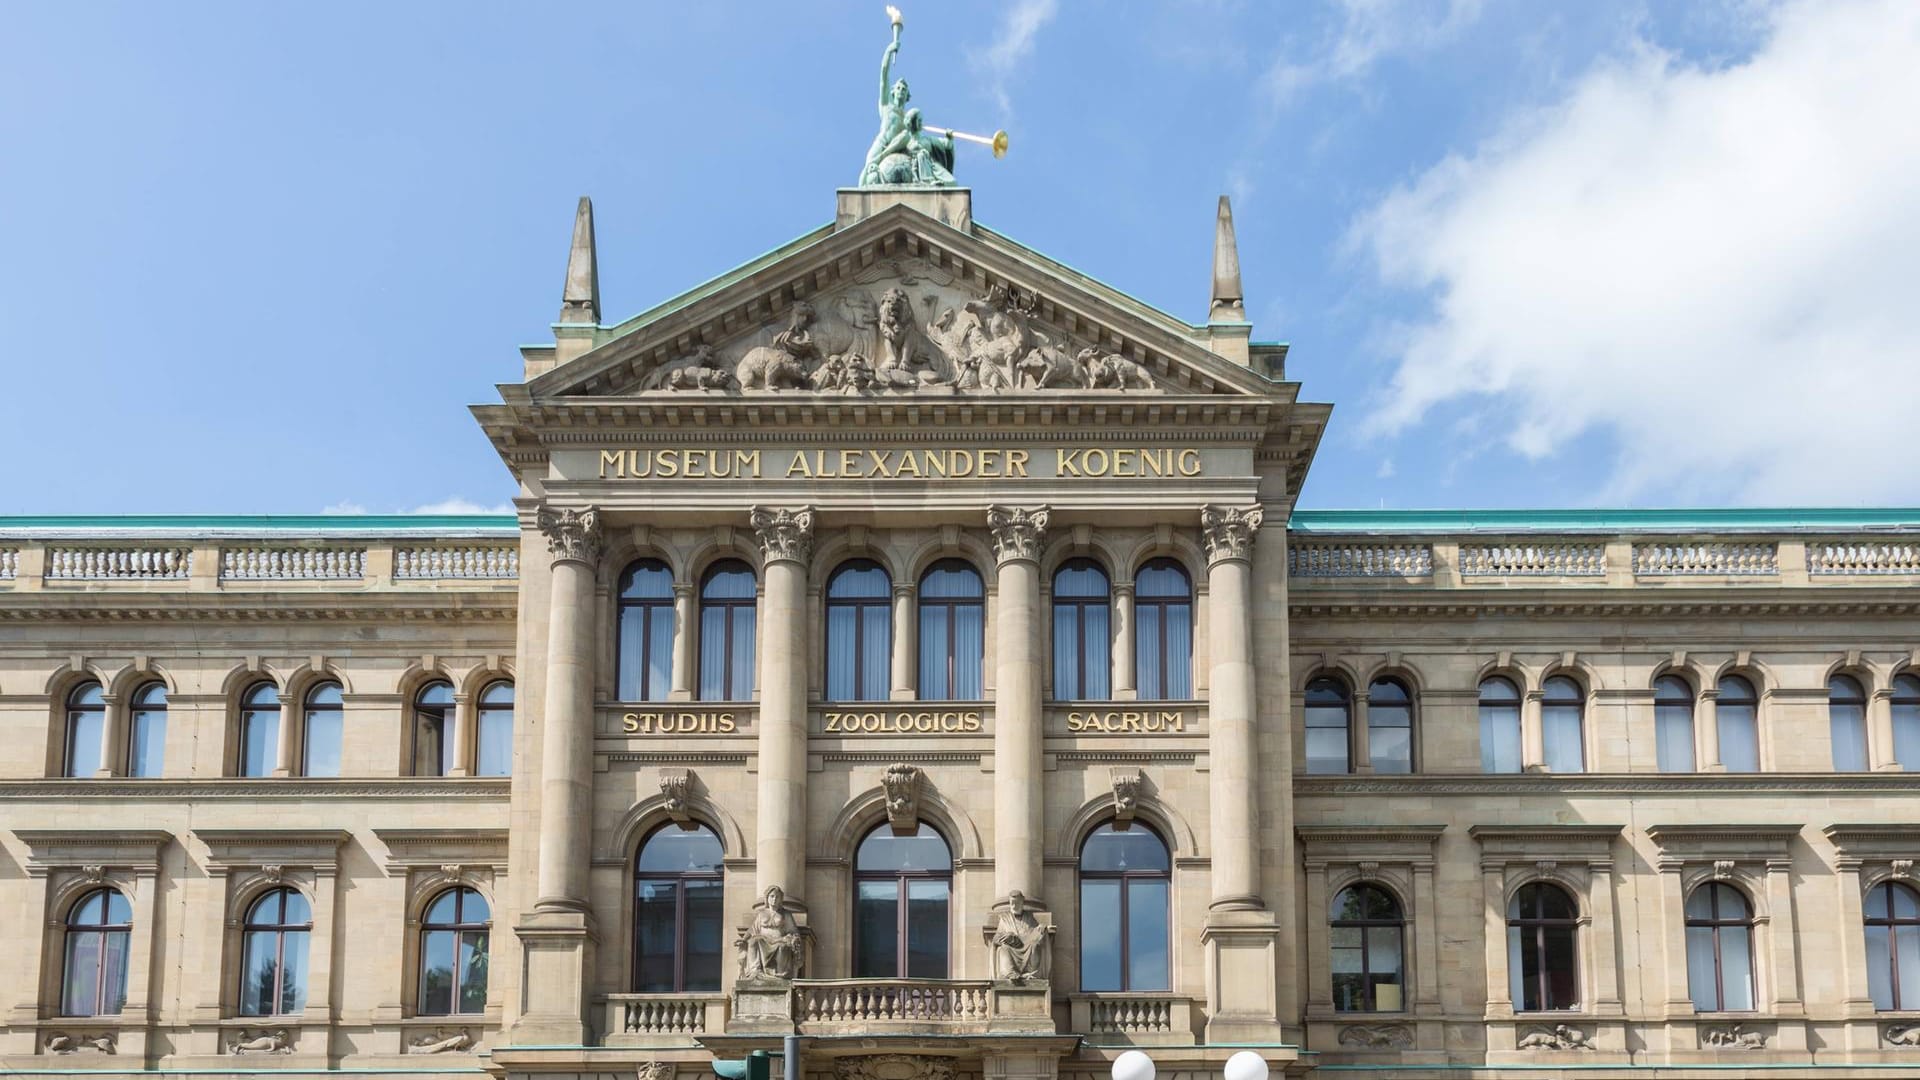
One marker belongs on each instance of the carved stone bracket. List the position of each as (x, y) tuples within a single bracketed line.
[(656, 1070), (1733, 1037), (677, 786), (1018, 532), (785, 533), (1228, 531), (574, 535), (1557, 1037), (1126, 795), (902, 784), (1377, 1036), (1901, 1036), (440, 1041), (92, 1042), (262, 1042)]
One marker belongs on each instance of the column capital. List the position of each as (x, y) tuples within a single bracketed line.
[(785, 533), (1018, 532), (1228, 531), (573, 535)]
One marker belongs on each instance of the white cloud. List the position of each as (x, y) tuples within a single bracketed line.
[(1363, 33), (1014, 44), (345, 506), (458, 505), (1714, 268), (1385, 471)]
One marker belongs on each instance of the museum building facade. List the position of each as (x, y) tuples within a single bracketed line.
[(909, 643)]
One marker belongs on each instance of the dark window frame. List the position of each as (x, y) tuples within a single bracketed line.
[(1736, 690), (309, 707), (1678, 693), (681, 924), (729, 605), (137, 704), (858, 605), (1126, 878), (1320, 683), (1413, 720), (1715, 923), (1162, 604), (277, 707), (1540, 924), (253, 925), (903, 955), (482, 710), (1515, 705), (77, 708), (622, 603), (1080, 605), (1857, 696), (1398, 924), (104, 928), (951, 606), (460, 927), (1892, 922), (418, 710)]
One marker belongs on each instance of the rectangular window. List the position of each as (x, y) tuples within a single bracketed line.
[(1849, 737), (1499, 739), (876, 916), (926, 929), (493, 749), (436, 973), (1739, 738), (1673, 737), (259, 742), (1147, 935), (146, 742), (85, 728), (1099, 935), (704, 931), (1560, 726), (323, 743), (654, 922)]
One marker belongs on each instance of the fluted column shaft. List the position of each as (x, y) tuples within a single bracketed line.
[(566, 740), (1232, 742), (1018, 809), (780, 848)]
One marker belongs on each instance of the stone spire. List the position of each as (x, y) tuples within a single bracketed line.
[(1229, 302), (580, 303)]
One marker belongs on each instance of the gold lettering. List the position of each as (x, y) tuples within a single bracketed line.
[(1175, 721), (849, 463), (630, 723), (697, 459), (962, 461), (667, 462), (725, 723), (1087, 459), (879, 459), (747, 463), (1017, 464), (1123, 463), (1189, 463), (1065, 463), (616, 459), (990, 464), (909, 465), (799, 465)]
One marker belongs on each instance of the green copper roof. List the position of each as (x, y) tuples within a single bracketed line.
[(257, 524), (1823, 519)]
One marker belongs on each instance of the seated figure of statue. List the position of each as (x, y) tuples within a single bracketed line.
[(771, 943), (1021, 951), (915, 157)]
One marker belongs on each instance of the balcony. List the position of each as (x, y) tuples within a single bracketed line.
[(893, 1007), (1134, 1019), (662, 1019)]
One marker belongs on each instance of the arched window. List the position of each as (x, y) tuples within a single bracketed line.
[(859, 632), (1163, 631), (726, 632), (902, 887), (1673, 724), (99, 928), (147, 730), (1390, 726), (1737, 718), (433, 729), (676, 911), (953, 634), (493, 736), (643, 662), (1906, 722), (1720, 949), (1499, 726), (86, 728), (1847, 717), (259, 730), (321, 728), (1329, 732), (453, 954), (1542, 964), (1561, 708), (1082, 632), (273, 949), (1368, 951), (1893, 946), (1125, 886)]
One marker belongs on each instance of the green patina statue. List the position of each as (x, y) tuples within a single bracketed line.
[(904, 152)]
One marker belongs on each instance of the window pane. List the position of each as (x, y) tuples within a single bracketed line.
[(1562, 989), (1499, 738), (1523, 983), (659, 653), (673, 850), (259, 972), (1108, 849), (1739, 737), (1179, 628), (713, 653), (436, 973), (84, 730), (1391, 747), (1066, 653), (1326, 749), (969, 652), (147, 742), (1880, 966), (1097, 641), (259, 742), (927, 929), (80, 994), (1673, 737), (648, 580), (1384, 953), (741, 680), (704, 926), (1146, 650), (1700, 973), (1906, 943), (1099, 935), (654, 911), (293, 979), (473, 971), (876, 651), (935, 654), (876, 929), (1560, 724), (323, 742), (883, 851), (1906, 736), (1736, 968), (632, 658), (493, 749), (1147, 935), (1849, 722), (841, 625), (429, 743)]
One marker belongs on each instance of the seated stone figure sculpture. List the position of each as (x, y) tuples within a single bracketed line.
[(1022, 952), (771, 944)]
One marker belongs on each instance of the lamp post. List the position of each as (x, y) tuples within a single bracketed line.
[(1245, 1065)]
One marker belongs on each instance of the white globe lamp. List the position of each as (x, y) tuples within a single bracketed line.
[(1246, 1065), (1133, 1065)]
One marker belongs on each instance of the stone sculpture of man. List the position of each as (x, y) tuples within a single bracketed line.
[(770, 946), (1021, 951)]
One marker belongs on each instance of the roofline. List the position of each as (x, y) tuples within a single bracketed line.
[(276, 526), (1600, 520)]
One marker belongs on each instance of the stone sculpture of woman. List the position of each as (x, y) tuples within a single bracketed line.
[(1021, 951), (770, 945), (903, 152)]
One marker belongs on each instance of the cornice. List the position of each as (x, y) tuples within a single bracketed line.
[(1600, 601), (109, 604), (415, 848), (230, 848), (1552, 784), (1668, 836), (1369, 834), (61, 789), (1874, 840), (49, 849)]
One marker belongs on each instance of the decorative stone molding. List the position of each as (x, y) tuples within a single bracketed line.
[(1377, 1036), (440, 1041), (894, 1067), (437, 849), (785, 533), (1018, 532), (1229, 531), (1356, 559), (272, 851), (573, 535), (86, 1042), (1876, 843), (93, 852), (902, 785), (1557, 1037), (1733, 1037), (1901, 1036), (260, 1041), (676, 787), (656, 1070), (1127, 784)]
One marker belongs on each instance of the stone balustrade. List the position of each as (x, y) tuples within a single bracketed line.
[(1146, 1019), (1533, 560), (293, 563), (9, 563), (1359, 559), (146, 563), (495, 561), (1834, 557), (825, 1006), (1685, 558), (657, 1019)]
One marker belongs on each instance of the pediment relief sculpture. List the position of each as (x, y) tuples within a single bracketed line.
[(902, 326)]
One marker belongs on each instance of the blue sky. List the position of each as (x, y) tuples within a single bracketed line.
[(259, 258)]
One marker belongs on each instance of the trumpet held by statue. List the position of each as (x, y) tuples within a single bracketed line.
[(998, 140)]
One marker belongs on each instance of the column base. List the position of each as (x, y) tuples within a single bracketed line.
[(1243, 948), (558, 946)]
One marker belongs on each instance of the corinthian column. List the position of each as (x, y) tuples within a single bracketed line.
[(1231, 749), (786, 547), (1018, 820), (566, 742)]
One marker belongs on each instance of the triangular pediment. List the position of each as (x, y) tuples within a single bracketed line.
[(900, 305)]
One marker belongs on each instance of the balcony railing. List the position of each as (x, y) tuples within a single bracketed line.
[(1705, 557), (877, 1004), (1865, 557), (1359, 560), (119, 564), (1143, 1019), (501, 561), (1533, 560), (293, 563), (654, 1019)]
